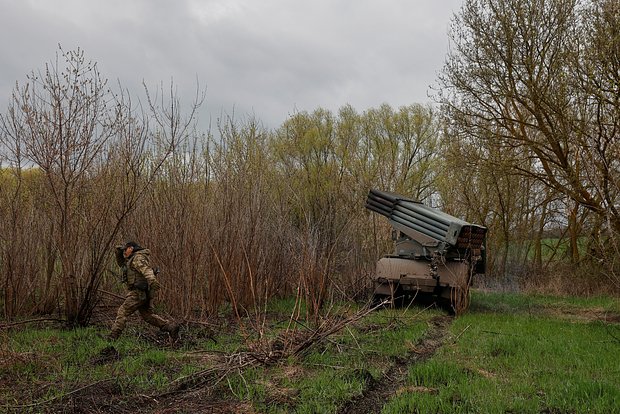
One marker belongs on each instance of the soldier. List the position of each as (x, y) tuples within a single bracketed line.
[(141, 284)]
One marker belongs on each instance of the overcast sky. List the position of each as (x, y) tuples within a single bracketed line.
[(267, 58)]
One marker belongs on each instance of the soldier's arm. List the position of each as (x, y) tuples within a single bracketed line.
[(141, 264), (118, 255)]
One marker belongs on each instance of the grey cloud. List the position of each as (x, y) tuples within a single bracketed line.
[(266, 58)]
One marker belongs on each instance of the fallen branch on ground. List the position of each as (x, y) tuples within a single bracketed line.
[(61, 396), (13, 324), (291, 342)]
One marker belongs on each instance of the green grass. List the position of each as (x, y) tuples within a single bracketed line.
[(510, 359), (338, 370), (509, 353), (47, 363), (506, 303)]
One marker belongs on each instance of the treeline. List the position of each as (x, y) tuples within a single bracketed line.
[(244, 213), (532, 92), (234, 217)]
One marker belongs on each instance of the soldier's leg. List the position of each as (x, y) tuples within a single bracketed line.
[(130, 305), (148, 314)]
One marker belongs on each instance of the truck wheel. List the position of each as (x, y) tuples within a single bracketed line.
[(378, 299)]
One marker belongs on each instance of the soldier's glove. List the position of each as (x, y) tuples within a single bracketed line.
[(118, 255), (154, 286)]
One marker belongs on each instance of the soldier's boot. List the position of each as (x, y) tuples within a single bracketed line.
[(173, 330)]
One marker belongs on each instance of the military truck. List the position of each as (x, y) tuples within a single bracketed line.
[(436, 255)]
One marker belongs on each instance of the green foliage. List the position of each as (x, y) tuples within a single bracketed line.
[(285, 305), (324, 391), (558, 249), (248, 385), (324, 157)]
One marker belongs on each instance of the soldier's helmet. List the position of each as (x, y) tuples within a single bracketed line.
[(133, 244)]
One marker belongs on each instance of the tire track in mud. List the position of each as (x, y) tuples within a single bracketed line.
[(380, 391)]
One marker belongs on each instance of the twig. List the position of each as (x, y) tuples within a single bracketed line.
[(326, 366), (148, 397), (205, 351), (609, 332), (60, 397), (354, 338), (499, 333), (10, 325), (112, 294), (237, 362), (462, 332), (192, 321)]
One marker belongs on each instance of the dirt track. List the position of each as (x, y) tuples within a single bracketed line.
[(380, 391)]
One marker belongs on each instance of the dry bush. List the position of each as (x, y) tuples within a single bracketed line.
[(85, 151), (213, 228), (236, 218)]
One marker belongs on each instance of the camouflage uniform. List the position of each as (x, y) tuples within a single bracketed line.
[(141, 285)]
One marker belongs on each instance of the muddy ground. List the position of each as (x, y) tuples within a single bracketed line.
[(106, 397), (378, 392)]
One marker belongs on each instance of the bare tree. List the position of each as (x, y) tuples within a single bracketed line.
[(541, 77), (90, 147)]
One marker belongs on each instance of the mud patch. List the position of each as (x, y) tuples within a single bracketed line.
[(394, 380)]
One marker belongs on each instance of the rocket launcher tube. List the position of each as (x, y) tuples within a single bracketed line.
[(424, 220)]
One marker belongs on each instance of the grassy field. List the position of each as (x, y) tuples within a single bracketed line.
[(523, 355), (509, 353)]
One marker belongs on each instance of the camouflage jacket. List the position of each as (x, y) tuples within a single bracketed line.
[(140, 275)]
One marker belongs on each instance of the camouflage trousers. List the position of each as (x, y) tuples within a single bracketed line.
[(137, 300)]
